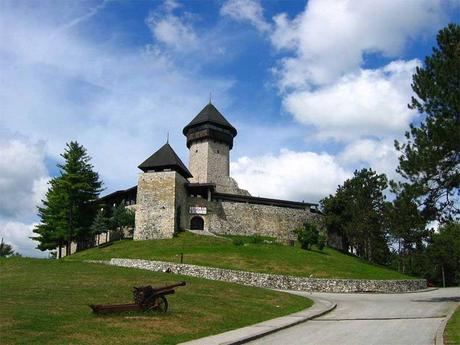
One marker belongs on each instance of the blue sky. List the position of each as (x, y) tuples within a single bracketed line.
[(316, 89)]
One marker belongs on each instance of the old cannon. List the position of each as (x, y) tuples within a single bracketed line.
[(145, 298)]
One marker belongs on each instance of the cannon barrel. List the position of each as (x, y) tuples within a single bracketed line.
[(168, 287)]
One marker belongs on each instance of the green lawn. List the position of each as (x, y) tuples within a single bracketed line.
[(452, 331), (45, 302), (221, 252)]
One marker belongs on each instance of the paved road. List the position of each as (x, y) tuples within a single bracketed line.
[(373, 319)]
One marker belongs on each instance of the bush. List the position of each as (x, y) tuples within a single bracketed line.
[(238, 242), (307, 236), (256, 239), (322, 239)]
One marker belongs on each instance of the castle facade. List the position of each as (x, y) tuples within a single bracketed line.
[(171, 197)]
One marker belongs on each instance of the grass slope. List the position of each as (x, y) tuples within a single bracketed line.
[(45, 302), (221, 252), (452, 331)]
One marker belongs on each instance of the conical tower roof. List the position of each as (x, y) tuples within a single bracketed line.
[(165, 158), (210, 115)]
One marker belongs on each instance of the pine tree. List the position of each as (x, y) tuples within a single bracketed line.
[(121, 217), (430, 157), (70, 205), (100, 224)]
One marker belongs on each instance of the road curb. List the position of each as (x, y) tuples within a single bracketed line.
[(243, 335), (439, 338)]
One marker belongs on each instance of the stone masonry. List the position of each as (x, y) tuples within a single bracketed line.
[(274, 281), (236, 218), (156, 202)]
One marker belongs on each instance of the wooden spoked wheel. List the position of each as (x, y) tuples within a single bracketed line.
[(162, 304)]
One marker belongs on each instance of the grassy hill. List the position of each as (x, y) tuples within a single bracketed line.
[(256, 257), (46, 302)]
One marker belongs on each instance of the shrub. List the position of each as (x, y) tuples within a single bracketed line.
[(307, 236), (238, 242), (322, 239), (256, 239)]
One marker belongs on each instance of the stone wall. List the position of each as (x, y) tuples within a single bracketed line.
[(274, 281), (238, 218), (156, 205)]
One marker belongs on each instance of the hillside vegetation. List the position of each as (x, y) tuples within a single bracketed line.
[(46, 302), (257, 257)]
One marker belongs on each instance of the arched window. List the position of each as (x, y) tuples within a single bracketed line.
[(197, 223)]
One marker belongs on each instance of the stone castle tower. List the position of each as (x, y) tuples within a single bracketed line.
[(209, 140)]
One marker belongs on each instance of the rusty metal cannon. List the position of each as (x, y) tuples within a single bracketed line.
[(145, 298)]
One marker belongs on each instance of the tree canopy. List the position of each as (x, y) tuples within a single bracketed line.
[(356, 213)]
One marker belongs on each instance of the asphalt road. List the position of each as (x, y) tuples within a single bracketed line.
[(373, 319)]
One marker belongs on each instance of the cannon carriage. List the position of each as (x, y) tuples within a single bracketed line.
[(146, 298)]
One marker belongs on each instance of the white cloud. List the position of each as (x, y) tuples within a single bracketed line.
[(23, 177), (18, 235), (307, 176), (172, 31), (331, 37), (381, 155), (246, 11), (367, 103)]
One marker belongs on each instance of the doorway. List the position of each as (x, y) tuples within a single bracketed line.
[(197, 223)]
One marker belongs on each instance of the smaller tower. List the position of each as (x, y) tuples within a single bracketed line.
[(209, 140), (161, 195)]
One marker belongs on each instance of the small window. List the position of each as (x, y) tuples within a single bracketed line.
[(218, 151)]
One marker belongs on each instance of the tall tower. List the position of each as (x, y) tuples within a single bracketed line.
[(209, 140)]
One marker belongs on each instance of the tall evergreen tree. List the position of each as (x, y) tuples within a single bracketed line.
[(70, 205), (357, 211), (430, 157)]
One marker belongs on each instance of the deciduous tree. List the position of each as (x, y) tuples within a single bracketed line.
[(357, 211)]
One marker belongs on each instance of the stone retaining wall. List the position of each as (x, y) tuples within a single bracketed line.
[(275, 281)]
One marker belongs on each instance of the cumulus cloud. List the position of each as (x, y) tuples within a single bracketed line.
[(246, 11), (18, 235), (366, 103), (23, 177), (307, 176), (381, 155), (331, 37)]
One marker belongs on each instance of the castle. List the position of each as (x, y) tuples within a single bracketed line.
[(170, 197)]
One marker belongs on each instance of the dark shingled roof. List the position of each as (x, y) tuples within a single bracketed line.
[(210, 114), (165, 158)]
